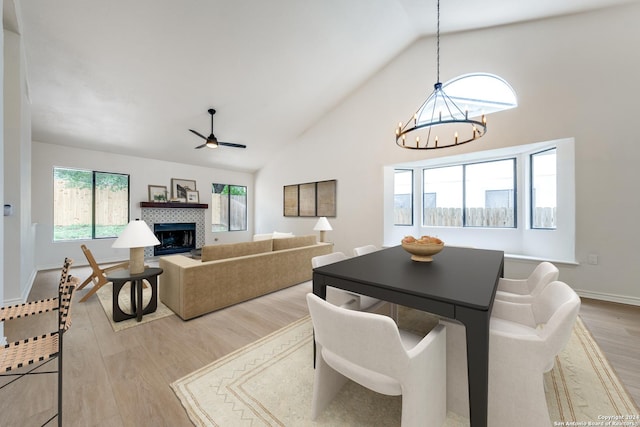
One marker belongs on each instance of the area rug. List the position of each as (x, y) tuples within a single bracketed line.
[(105, 295), (269, 383)]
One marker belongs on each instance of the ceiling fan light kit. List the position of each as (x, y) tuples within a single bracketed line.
[(211, 140)]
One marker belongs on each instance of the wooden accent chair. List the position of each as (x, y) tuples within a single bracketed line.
[(42, 349), (98, 276)]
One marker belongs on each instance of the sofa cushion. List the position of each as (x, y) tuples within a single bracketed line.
[(263, 236), (233, 250), (294, 242), (280, 235)]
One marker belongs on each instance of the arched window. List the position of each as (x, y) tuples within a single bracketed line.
[(476, 94)]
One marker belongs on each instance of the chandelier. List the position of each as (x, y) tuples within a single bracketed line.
[(440, 122)]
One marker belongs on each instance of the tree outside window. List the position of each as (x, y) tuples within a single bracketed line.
[(228, 207), (89, 204)]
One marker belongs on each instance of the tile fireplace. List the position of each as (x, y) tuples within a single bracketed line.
[(174, 237), (177, 216)]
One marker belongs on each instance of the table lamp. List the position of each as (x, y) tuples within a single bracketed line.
[(136, 236), (323, 226)]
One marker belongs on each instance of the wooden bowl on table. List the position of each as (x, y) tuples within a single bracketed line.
[(422, 249)]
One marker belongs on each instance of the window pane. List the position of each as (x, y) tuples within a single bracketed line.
[(228, 207), (442, 196), (543, 189), (477, 94), (219, 207), (489, 194), (72, 204), (238, 207), (111, 204), (403, 197)]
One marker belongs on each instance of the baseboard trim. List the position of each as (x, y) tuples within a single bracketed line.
[(25, 292), (608, 297)]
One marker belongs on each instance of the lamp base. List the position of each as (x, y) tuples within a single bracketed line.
[(136, 260), (322, 235)]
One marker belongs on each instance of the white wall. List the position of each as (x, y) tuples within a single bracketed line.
[(575, 77), (2, 338), (143, 172), (18, 236)]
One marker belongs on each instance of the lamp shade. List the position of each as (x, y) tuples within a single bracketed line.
[(137, 234), (322, 224)]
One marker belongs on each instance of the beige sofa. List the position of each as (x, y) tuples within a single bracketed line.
[(237, 272)]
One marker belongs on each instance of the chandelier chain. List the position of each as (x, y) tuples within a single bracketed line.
[(440, 113), (438, 46)]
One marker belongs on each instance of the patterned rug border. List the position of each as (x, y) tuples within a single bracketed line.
[(231, 398), (607, 375)]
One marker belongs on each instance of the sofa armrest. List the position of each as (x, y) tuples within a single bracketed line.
[(172, 279)]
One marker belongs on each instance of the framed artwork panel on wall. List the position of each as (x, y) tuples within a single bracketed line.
[(310, 199), (307, 194), (326, 198), (290, 200)]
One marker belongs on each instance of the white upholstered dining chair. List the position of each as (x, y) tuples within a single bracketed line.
[(369, 349), (524, 341), (340, 297), (363, 250), (367, 249), (525, 290)]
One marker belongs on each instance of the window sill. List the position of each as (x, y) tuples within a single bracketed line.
[(539, 259)]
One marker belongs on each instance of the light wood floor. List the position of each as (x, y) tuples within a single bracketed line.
[(123, 378)]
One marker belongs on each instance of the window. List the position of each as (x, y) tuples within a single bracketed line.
[(510, 184), (543, 189), (228, 207), (478, 93), (89, 204), (489, 194), (470, 195), (403, 197), (442, 196)]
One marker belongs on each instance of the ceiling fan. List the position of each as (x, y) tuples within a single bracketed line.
[(212, 141)]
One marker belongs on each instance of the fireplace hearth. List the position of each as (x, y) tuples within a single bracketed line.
[(176, 237)]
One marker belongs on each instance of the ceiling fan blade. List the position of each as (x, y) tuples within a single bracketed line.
[(201, 146), (231, 144), (199, 134)]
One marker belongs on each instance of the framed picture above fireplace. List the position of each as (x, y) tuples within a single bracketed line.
[(180, 188), (193, 197), (157, 193)]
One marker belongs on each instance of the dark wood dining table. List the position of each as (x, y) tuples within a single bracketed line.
[(460, 283)]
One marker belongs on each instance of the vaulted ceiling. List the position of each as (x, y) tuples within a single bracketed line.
[(132, 77)]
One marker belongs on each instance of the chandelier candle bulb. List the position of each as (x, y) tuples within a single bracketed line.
[(455, 135)]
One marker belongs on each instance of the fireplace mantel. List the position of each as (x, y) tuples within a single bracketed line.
[(174, 205)]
